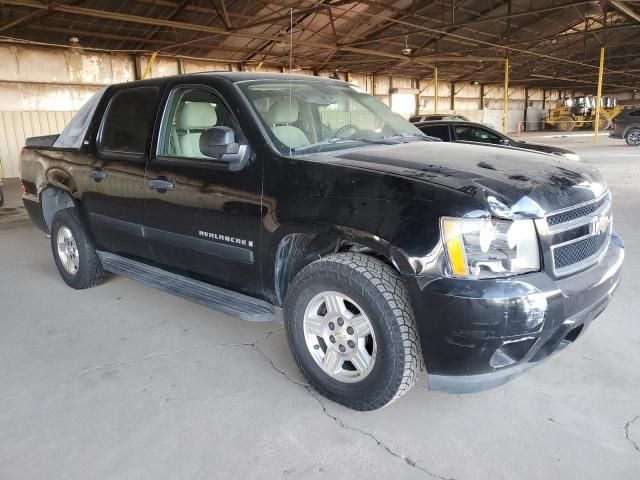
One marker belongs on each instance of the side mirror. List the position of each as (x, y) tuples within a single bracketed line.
[(505, 141), (220, 143)]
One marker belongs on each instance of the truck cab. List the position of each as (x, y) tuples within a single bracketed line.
[(307, 201)]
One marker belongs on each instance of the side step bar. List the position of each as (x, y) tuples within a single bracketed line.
[(216, 298)]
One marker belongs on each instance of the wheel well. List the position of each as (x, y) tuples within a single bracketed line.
[(53, 199), (297, 250)]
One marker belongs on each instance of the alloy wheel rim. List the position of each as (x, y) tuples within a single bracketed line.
[(68, 251), (634, 138), (339, 337)]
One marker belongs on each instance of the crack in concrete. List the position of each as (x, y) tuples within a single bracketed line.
[(379, 442), (627, 426), (254, 344), (346, 426), (149, 357)]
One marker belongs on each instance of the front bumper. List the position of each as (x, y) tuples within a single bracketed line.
[(477, 334)]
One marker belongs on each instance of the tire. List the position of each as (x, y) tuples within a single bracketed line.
[(368, 290), (565, 124), (633, 137), (74, 251)]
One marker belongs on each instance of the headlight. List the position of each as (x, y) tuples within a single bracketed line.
[(572, 156), (484, 247)]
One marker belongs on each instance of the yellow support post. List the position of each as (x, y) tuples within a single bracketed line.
[(147, 69), (435, 89), (505, 103), (599, 96)]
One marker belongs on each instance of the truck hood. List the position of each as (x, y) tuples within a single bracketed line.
[(509, 183)]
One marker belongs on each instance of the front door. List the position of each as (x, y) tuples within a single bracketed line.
[(115, 188), (466, 133), (203, 216)]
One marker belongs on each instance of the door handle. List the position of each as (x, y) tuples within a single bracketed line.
[(161, 184), (97, 175)]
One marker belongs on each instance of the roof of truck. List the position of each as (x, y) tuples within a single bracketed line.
[(238, 77)]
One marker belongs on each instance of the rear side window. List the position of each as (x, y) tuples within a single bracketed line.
[(468, 133), (128, 121), (438, 131), (634, 113)]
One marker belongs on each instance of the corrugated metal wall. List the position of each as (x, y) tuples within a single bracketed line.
[(16, 126)]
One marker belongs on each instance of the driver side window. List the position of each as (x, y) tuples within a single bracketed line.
[(189, 112)]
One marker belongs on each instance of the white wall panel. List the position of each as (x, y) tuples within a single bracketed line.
[(16, 126)]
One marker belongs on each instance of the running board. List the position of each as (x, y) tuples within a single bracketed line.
[(216, 298)]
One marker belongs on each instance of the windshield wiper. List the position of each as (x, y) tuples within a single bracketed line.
[(390, 140), (421, 136), (329, 141)]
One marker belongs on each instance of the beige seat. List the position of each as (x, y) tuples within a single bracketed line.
[(280, 117), (193, 119)]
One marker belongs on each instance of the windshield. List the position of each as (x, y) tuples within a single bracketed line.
[(303, 117)]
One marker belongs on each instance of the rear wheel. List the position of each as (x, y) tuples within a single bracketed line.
[(633, 137), (351, 330), (74, 252), (565, 124)]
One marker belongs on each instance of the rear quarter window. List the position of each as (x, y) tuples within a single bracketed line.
[(438, 131), (128, 121)]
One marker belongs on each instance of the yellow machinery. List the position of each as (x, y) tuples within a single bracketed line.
[(580, 112)]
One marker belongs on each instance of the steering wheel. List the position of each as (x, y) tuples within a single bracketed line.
[(345, 128)]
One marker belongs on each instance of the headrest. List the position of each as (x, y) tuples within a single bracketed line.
[(283, 111), (196, 115)]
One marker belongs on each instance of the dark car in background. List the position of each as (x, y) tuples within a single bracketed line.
[(479, 134), (627, 125)]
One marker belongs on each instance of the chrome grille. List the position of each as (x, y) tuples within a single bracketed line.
[(575, 213), (579, 251), (579, 235)]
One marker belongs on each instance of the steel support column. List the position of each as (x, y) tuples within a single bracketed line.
[(505, 103), (599, 95)]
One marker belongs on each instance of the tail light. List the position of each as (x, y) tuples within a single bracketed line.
[(20, 162)]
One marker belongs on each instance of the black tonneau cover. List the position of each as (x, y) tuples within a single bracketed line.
[(46, 141)]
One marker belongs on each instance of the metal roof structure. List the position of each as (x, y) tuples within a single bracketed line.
[(550, 43)]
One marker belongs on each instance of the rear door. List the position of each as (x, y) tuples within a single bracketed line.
[(114, 197), (203, 215)]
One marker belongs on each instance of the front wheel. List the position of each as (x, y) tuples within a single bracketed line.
[(351, 330), (565, 124), (633, 137)]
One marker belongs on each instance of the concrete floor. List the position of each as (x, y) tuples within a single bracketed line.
[(126, 382)]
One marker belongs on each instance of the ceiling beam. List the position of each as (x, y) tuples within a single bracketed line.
[(279, 18), (19, 21), (123, 17), (628, 11)]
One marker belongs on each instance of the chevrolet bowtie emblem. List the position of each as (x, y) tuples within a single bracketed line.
[(600, 224)]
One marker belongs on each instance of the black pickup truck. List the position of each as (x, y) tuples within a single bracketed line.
[(304, 199)]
